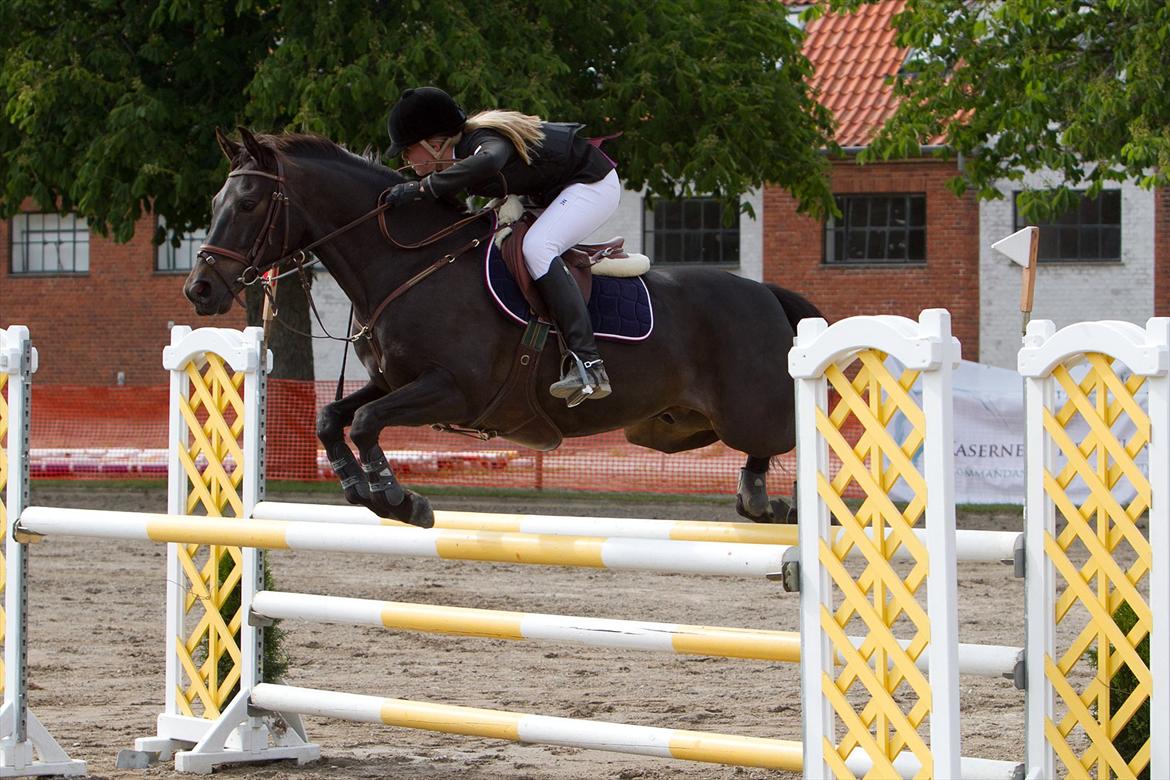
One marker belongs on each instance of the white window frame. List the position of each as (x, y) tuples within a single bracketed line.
[(48, 244), (169, 259)]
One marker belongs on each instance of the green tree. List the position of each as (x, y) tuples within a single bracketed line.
[(1078, 87), (109, 106)]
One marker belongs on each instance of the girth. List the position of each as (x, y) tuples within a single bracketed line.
[(514, 411)]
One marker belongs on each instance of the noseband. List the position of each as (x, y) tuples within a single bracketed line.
[(250, 263)]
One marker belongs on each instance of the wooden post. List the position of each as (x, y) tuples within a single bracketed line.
[(1021, 248), (1028, 279), (269, 312)]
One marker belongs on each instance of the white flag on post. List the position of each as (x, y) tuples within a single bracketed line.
[(1018, 246)]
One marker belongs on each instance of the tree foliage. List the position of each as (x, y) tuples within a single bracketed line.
[(1076, 87), (109, 106)]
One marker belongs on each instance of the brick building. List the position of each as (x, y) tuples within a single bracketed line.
[(98, 312), (904, 243)]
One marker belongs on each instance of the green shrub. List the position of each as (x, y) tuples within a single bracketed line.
[(1136, 733), (275, 659)]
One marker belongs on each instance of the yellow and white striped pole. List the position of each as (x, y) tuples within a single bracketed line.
[(496, 624), (557, 525), (971, 545), (655, 555), (533, 729), (714, 641)]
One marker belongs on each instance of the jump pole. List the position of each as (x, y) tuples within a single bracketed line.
[(534, 729), (712, 641), (650, 555), (971, 545)]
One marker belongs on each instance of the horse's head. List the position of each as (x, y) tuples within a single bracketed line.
[(250, 226)]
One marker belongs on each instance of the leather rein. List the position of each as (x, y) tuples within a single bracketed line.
[(253, 269)]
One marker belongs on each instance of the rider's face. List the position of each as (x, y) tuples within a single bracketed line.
[(426, 156)]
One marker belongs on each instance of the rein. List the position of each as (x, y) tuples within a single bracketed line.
[(278, 204)]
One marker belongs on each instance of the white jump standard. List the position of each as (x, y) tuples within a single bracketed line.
[(26, 747)]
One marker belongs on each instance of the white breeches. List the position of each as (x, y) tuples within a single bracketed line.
[(577, 211)]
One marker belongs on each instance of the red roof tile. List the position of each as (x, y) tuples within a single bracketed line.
[(853, 55)]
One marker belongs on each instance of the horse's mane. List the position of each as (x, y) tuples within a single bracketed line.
[(320, 147)]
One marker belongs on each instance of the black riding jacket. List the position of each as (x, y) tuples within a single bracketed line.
[(489, 165)]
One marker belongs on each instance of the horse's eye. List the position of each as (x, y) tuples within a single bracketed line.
[(247, 205)]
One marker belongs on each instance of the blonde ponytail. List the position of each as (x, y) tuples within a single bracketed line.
[(523, 130)]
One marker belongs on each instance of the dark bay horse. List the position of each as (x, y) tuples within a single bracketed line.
[(714, 368)]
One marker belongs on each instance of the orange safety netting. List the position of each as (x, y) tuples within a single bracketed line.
[(121, 432)]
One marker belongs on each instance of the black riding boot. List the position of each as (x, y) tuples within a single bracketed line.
[(584, 375)]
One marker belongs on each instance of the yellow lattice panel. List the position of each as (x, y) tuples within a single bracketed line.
[(213, 462), (881, 672), (1084, 554)]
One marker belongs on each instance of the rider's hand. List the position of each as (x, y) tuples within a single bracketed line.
[(406, 192)]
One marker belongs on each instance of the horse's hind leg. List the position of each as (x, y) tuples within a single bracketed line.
[(331, 423), (751, 495)]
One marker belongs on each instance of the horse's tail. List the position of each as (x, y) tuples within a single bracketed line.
[(796, 306)]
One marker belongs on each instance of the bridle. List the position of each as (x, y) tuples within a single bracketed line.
[(253, 269), (250, 272)]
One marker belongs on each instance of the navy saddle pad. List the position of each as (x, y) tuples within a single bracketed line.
[(619, 307)]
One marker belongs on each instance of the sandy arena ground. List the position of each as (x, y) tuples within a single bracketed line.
[(96, 652)]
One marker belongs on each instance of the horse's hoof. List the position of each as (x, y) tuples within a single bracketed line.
[(742, 511), (782, 512), (779, 512), (421, 514), (413, 509)]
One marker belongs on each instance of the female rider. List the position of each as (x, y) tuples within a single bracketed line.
[(498, 153)]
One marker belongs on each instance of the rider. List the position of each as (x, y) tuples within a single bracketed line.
[(498, 153)]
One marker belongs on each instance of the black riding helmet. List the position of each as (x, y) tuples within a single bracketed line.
[(422, 113)]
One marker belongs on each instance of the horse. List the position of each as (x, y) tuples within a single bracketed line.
[(437, 350)]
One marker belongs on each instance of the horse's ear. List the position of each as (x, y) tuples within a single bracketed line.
[(230, 148), (258, 151)]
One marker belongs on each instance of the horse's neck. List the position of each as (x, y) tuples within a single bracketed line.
[(358, 258), (364, 264)]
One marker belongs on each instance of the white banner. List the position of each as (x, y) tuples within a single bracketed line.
[(989, 438)]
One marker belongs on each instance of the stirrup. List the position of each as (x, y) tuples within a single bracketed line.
[(578, 379), (577, 369), (589, 380)]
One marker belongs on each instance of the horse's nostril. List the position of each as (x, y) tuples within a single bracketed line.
[(198, 291)]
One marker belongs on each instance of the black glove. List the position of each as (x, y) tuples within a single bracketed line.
[(406, 192)]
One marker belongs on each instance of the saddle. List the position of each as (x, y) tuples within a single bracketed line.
[(580, 260)]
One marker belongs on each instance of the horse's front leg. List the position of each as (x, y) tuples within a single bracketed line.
[(433, 397), (331, 423)]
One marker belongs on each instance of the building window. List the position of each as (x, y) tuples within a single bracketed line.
[(690, 230), (1089, 231), (181, 258), (49, 244), (877, 229)]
